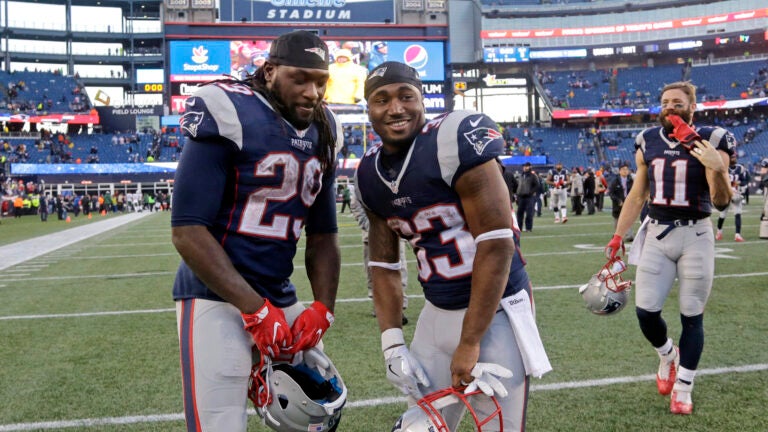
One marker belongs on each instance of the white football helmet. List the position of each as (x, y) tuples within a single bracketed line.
[(425, 416), (299, 396), (606, 292)]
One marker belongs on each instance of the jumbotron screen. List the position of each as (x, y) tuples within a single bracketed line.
[(197, 62)]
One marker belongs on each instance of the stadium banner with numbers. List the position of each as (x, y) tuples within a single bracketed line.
[(308, 11)]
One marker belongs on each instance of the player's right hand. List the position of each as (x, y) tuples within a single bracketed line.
[(403, 370), (487, 379), (613, 246), (268, 328)]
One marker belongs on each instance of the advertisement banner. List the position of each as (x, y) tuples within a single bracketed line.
[(506, 54), (308, 11), (351, 61), (425, 57), (199, 60)]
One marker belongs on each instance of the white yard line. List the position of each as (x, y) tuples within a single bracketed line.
[(159, 418), (19, 252)]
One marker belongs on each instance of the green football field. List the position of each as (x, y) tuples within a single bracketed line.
[(88, 335)]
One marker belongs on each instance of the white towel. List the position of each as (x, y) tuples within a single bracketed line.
[(638, 242), (520, 312)]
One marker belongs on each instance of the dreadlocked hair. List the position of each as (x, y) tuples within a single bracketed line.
[(258, 82)]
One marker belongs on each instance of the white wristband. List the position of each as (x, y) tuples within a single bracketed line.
[(495, 234), (391, 337), (388, 266)]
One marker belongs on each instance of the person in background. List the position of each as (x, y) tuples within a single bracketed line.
[(557, 179), (346, 198), (345, 85), (618, 191), (576, 191), (601, 186), (527, 191), (737, 175), (589, 191)]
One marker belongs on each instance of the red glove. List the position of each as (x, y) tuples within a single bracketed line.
[(268, 328), (559, 184), (683, 132), (613, 246), (310, 326)]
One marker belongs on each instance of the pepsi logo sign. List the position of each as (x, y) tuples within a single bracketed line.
[(415, 56)]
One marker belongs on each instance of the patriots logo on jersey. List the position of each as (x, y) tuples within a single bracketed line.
[(479, 138), (190, 122)]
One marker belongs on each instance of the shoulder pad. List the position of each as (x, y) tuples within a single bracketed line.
[(211, 113)]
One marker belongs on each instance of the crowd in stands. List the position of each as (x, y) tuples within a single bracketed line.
[(37, 93), (639, 87), (356, 140), (21, 198), (149, 145)]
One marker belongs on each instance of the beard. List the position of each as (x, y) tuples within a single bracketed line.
[(686, 116), (288, 111)]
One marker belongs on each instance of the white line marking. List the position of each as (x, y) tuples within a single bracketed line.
[(347, 300), (157, 418)]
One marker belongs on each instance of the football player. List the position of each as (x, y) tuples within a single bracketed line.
[(257, 169), (557, 179), (438, 184), (738, 176), (684, 172)]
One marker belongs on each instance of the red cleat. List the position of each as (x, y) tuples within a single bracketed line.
[(680, 407), (665, 377)]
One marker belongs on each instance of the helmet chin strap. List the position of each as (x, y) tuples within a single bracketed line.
[(258, 388)]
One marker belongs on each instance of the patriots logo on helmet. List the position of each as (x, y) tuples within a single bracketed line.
[(317, 51), (480, 137), (190, 121), (378, 72)]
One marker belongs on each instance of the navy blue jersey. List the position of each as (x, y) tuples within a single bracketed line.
[(255, 182), (738, 176), (419, 202), (678, 184), (559, 177)]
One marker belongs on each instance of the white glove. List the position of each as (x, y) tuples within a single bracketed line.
[(485, 379), (403, 371), (315, 359)]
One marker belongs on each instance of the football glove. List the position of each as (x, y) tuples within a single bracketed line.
[(486, 379), (403, 371), (310, 326), (268, 328), (683, 132), (613, 246)]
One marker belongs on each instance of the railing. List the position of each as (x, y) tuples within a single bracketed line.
[(20, 135)]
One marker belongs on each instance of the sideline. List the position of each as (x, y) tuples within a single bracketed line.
[(16, 253), (157, 418)]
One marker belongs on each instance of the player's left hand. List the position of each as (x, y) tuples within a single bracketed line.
[(486, 380), (310, 326), (708, 156)]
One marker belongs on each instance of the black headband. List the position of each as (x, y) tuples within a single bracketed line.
[(299, 49), (391, 72)]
